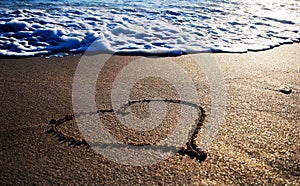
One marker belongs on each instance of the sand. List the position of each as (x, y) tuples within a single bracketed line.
[(258, 142)]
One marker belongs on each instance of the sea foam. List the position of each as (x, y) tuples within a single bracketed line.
[(46, 28)]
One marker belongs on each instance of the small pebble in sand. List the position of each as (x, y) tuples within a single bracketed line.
[(285, 90)]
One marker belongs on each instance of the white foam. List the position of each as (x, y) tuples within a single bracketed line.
[(173, 27)]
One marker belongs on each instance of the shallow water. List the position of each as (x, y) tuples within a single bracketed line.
[(140, 26)]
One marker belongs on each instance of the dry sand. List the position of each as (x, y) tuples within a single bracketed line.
[(258, 143)]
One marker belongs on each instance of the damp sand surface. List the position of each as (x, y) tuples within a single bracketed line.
[(258, 142)]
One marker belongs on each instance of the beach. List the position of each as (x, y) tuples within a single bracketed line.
[(257, 144)]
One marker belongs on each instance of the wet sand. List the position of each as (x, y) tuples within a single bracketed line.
[(258, 142)]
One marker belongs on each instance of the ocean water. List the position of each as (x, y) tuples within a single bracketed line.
[(54, 27)]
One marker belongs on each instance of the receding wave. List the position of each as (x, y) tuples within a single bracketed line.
[(159, 27)]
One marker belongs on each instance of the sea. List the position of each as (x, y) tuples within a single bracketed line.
[(175, 27)]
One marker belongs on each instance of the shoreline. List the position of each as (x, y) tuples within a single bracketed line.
[(145, 54), (257, 144)]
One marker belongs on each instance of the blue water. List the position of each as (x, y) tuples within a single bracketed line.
[(53, 27)]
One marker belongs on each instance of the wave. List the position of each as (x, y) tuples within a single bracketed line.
[(44, 28)]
